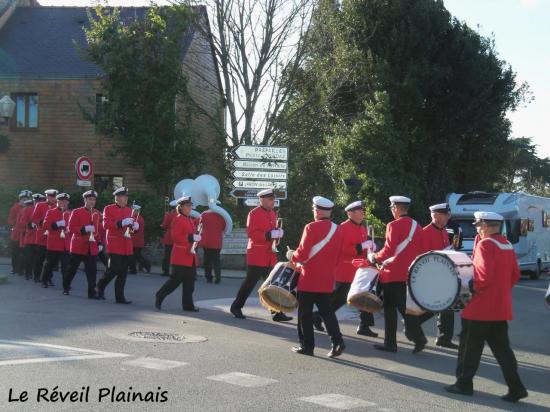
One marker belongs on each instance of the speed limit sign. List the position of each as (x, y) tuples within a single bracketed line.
[(84, 170)]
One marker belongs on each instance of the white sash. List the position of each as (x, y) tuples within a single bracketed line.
[(318, 246), (501, 246), (401, 247)]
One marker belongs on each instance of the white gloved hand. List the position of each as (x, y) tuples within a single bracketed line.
[(89, 228), (276, 233), (60, 223), (289, 253), (197, 238), (99, 248), (371, 257), (369, 244), (127, 221), (33, 225), (135, 226)]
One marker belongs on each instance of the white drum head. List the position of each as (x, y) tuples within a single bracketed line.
[(433, 282)]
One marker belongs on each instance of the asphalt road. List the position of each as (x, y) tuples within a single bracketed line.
[(53, 345)]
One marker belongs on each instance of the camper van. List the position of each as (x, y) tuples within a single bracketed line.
[(526, 224)]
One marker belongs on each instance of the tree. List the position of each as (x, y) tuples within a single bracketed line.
[(259, 47), (145, 110)]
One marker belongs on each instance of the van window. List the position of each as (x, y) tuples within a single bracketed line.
[(512, 229), (545, 219), (468, 230)]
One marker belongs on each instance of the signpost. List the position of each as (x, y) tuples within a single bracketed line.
[(259, 174), (84, 171), (257, 164), (264, 153)]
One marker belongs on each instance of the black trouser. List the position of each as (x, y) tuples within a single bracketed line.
[(103, 258), (306, 300), (339, 298), (472, 340), (445, 323), (90, 267), (186, 276), (395, 299), (253, 274), (166, 259), (212, 260), (15, 255), (52, 260), (117, 267), (39, 257), (137, 257), (65, 258), (28, 257)]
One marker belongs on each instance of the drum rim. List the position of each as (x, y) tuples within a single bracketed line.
[(437, 252), (371, 295)]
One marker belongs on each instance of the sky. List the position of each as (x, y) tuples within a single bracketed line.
[(521, 29)]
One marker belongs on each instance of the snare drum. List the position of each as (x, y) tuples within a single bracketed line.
[(364, 293), (278, 292), (436, 279)]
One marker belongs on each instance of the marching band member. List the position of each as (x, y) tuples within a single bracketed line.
[(117, 217), (318, 255), (485, 318), (183, 260), (403, 244), (355, 244), (138, 242), (261, 227), (213, 226), (38, 215), (24, 225), (436, 237), (167, 238), (55, 224), (14, 232), (84, 225)]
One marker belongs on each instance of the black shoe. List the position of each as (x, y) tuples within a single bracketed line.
[(318, 322), (281, 317), (45, 285), (123, 302), (458, 390), (514, 396), (66, 292), (217, 280), (238, 313), (420, 345), (208, 280), (193, 309), (336, 350), (158, 303), (385, 348), (446, 344), (302, 351), (366, 331)]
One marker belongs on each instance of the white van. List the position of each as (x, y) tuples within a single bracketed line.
[(526, 224)]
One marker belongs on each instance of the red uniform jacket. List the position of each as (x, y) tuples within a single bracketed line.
[(117, 243), (434, 238), (352, 237), (22, 225), (53, 240), (166, 222), (138, 237), (29, 237), (396, 232), (213, 226), (182, 228), (496, 271), (80, 239), (38, 216), (12, 220), (317, 274), (259, 223)]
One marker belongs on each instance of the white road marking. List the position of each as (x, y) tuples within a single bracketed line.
[(86, 353), (154, 363), (242, 379), (336, 401)]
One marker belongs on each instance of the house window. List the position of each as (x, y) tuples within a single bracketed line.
[(26, 111), (108, 182)]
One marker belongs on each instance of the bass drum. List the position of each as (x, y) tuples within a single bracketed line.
[(278, 292), (436, 278)]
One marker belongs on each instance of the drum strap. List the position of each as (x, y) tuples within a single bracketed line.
[(501, 246), (318, 246), (401, 247)]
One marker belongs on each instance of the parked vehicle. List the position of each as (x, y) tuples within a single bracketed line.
[(526, 224)]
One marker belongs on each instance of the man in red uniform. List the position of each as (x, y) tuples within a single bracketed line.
[(485, 318), (14, 232), (436, 237), (26, 239), (403, 244), (261, 227), (318, 255), (213, 226), (117, 217), (355, 244), (38, 216), (138, 242), (167, 238), (84, 228), (55, 224)]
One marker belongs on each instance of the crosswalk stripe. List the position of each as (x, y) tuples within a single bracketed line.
[(337, 401), (154, 363), (242, 379)]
